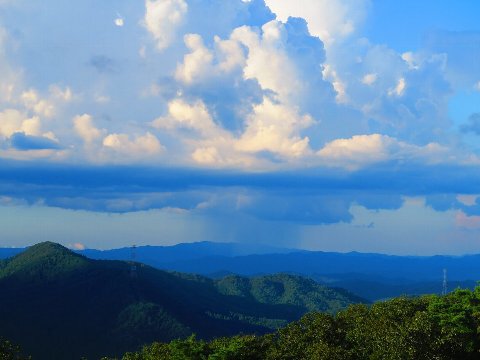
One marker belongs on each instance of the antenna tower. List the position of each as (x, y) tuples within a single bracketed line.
[(133, 266), (445, 287)]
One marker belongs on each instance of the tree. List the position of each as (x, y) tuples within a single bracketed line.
[(9, 351)]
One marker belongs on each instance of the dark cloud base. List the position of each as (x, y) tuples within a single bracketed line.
[(313, 196)]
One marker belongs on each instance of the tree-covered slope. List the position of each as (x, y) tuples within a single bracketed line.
[(423, 328), (285, 289), (60, 305)]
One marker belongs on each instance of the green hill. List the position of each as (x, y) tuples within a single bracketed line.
[(285, 289), (420, 328), (60, 305)]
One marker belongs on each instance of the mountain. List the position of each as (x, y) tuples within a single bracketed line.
[(284, 289), (375, 288), (158, 256), (325, 263), (61, 305), (250, 259), (371, 276)]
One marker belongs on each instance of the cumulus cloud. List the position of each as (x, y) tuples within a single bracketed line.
[(402, 96), (39, 106), (197, 64), (188, 116), (162, 19), (12, 121), (330, 20), (85, 128), (362, 150), (468, 222), (260, 86), (209, 143), (270, 83), (268, 61), (141, 145), (275, 128)]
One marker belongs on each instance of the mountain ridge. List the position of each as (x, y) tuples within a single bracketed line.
[(69, 300)]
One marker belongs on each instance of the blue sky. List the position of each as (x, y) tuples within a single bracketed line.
[(326, 125)]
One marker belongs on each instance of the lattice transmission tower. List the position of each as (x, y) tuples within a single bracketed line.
[(133, 264), (445, 284)]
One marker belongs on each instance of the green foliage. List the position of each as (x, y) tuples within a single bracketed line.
[(424, 328), (149, 322), (9, 351), (285, 289), (248, 347), (41, 263)]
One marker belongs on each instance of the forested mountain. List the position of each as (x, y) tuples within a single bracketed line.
[(61, 305), (371, 276), (423, 328)]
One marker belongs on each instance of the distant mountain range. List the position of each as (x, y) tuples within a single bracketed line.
[(61, 305), (371, 276)]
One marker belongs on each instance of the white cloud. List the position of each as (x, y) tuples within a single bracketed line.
[(275, 128), (142, 145), (411, 59), (197, 64), (363, 150), (462, 220), (467, 200), (369, 79), (189, 116), (331, 75), (270, 127), (12, 121), (399, 89), (33, 102), (209, 143), (84, 127), (202, 64), (207, 155), (330, 20), (240, 88), (268, 61), (162, 19)]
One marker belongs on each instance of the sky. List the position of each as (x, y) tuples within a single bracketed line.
[(331, 125)]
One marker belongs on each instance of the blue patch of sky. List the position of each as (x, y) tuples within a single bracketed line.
[(403, 25)]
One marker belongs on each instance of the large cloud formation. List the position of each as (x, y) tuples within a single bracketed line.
[(243, 86)]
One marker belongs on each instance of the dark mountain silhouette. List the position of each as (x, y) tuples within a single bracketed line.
[(371, 276), (61, 305)]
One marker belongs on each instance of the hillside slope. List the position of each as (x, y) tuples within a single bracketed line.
[(60, 305)]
